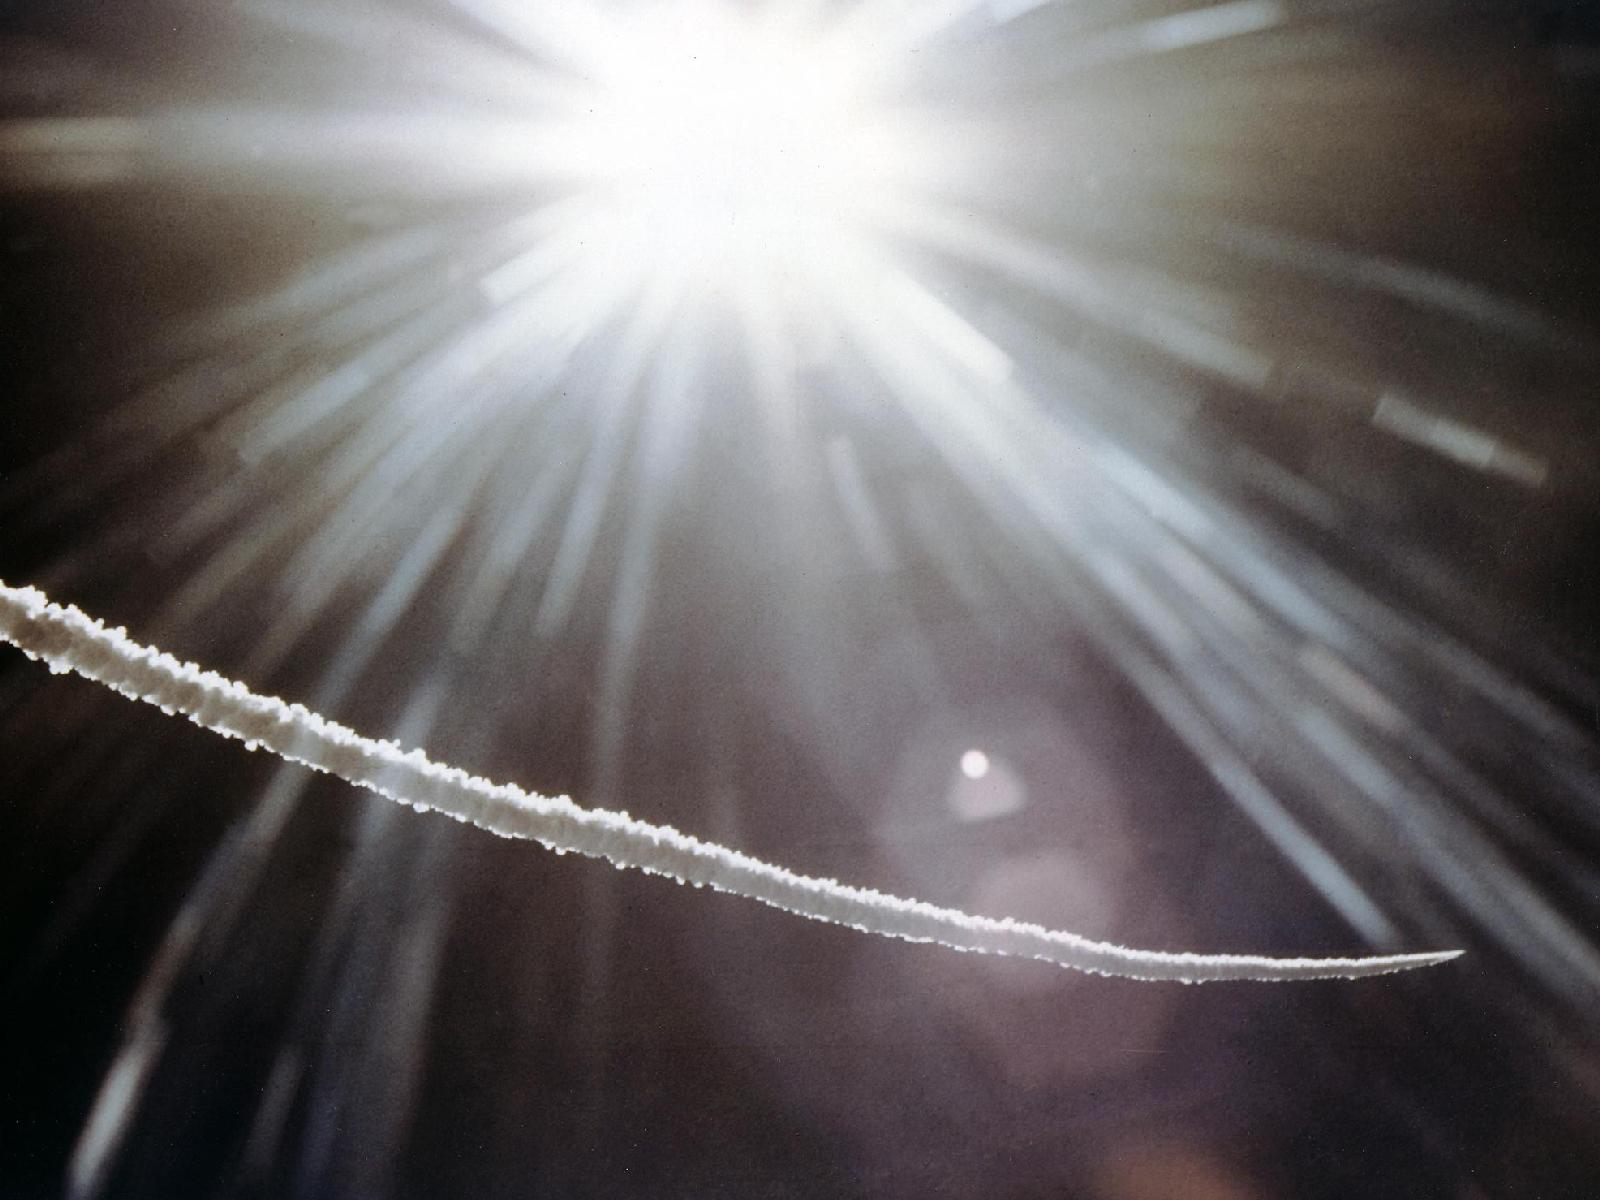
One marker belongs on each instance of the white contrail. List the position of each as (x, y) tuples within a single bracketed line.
[(67, 640)]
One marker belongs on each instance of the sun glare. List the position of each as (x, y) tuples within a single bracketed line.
[(722, 152)]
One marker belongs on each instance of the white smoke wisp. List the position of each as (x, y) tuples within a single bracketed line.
[(67, 640)]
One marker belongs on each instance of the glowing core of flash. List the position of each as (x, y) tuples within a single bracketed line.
[(974, 764), (724, 153)]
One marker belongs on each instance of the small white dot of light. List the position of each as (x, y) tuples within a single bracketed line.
[(974, 764)]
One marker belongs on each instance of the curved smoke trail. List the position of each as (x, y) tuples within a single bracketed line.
[(67, 640)]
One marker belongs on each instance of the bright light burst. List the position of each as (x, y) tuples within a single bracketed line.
[(725, 153), (591, 366), (954, 343)]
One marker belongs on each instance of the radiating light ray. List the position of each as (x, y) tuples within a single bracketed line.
[(1116, 303), (196, 938), (200, 927), (67, 640), (1402, 280)]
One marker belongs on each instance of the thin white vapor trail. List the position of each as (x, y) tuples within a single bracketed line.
[(67, 640)]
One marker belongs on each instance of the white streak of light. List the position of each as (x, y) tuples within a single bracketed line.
[(1198, 26), (113, 1109), (1466, 445)]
